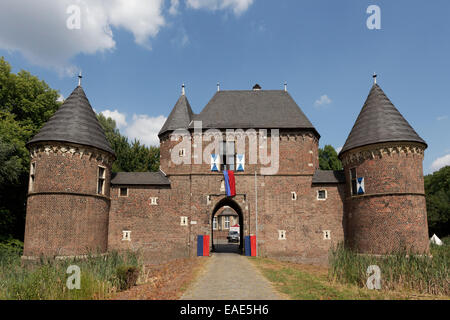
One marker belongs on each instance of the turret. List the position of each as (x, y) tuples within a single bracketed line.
[(385, 199), (68, 198)]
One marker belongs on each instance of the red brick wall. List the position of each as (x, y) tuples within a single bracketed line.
[(392, 212), (65, 216)]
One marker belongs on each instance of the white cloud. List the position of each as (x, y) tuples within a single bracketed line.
[(38, 29), (60, 98), (238, 6), (442, 118), (174, 5), (119, 118), (440, 163), (145, 129), (322, 101)]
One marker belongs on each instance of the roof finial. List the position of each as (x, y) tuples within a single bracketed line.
[(285, 86), (218, 86), (79, 79), (374, 78), (183, 92)]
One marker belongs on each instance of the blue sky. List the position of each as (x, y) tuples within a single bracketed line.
[(323, 49)]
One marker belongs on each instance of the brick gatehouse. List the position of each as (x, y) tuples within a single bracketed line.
[(376, 204)]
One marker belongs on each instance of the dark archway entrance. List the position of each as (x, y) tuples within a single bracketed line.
[(228, 202)]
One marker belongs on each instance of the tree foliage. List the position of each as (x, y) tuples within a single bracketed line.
[(328, 159), (130, 157), (26, 103), (437, 191)]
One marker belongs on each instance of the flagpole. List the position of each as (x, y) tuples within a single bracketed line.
[(256, 212)]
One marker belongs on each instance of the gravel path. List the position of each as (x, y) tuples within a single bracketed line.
[(230, 276)]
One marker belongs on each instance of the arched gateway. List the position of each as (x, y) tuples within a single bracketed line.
[(229, 202)]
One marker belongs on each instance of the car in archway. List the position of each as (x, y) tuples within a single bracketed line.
[(233, 236)]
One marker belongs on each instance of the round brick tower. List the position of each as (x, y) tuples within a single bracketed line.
[(68, 198), (385, 198)]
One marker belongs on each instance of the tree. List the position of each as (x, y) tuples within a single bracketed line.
[(328, 159), (437, 191), (133, 157), (26, 103)]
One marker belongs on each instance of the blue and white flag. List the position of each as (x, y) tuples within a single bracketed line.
[(215, 162), (240, 162), (360, 185)]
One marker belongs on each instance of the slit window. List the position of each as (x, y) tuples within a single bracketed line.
[(281, 234), (126, 235), (353, 181), (293, 195), (326, 234), (32, 177), (184, 221), (101, 180), (154, 201)]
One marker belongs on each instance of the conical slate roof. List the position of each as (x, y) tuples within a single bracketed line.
[(74, 122), (180, 117), (379, 121)]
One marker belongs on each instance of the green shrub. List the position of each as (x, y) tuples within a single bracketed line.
[(127, 276)]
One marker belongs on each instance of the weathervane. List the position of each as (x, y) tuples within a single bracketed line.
[(374, 78), (79, 79)]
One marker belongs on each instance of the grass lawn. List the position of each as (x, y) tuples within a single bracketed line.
[(307, 282)]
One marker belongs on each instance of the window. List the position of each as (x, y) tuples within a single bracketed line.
[(293, 195), (154, 201), (227, 222), (32, 173), (182, 152), (123, 192), (326, 234), (321, 194), (281, 234), (184, 221), (126, 235), (227, 154), (215, 223), (101, 180), (353, 181)]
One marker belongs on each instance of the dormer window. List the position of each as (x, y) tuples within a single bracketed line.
[(101, 180)]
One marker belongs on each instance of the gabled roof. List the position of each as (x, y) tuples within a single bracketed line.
[(379, 121), (74, 122), (328, 176), (140, 178), (180, 117), (253, 109)]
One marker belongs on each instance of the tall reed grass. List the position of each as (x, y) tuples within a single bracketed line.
[(47, 279), (399, 271)]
